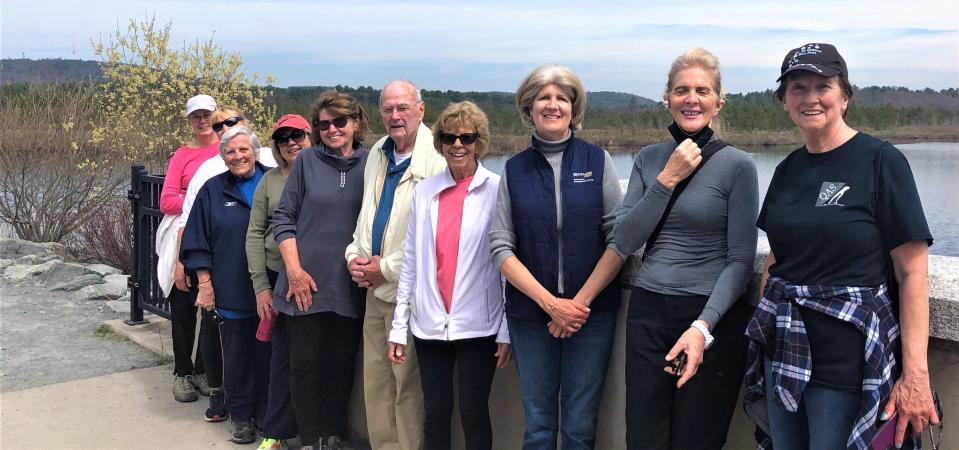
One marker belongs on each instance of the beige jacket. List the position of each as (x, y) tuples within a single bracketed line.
[(426, 162)]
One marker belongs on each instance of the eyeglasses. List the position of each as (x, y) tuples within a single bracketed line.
[(199, 115), (338, 122), (935, 437), (282, 140), (465, 139), (401, 109), (230, 122)]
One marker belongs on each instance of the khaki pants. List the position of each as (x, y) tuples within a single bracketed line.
[(394, 396)]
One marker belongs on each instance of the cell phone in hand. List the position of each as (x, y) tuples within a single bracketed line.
[(679, 364)]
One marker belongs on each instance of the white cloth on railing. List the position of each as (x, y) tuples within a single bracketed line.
[(166, 251)]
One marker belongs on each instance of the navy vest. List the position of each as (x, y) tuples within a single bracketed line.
[(533, 205)]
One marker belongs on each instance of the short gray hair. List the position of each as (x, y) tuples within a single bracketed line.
[(564, 78), (417, 95), (237, 131)]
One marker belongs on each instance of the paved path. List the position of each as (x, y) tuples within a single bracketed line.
[(132, 409)]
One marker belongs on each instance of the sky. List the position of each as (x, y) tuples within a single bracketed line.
[(623, 46)]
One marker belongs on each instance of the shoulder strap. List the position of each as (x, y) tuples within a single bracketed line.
[(708, 151)]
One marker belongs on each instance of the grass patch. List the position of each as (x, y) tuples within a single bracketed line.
[(105, 331)]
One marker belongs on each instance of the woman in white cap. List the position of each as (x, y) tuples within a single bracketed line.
[(849, 248), (188, 377)]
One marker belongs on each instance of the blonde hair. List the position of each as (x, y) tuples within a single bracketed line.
[(466, 115), (702, 58), (225, 112), (561, 76)]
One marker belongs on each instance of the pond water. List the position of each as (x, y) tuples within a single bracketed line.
[(935, 166)]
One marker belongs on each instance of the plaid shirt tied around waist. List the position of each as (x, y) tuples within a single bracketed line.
[(777, 326)]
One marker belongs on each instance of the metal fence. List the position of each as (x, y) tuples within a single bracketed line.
[(145, 292)]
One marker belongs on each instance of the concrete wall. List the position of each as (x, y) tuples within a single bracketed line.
[(506, 409)]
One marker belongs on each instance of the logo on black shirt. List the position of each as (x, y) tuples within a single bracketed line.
[(830, 193)]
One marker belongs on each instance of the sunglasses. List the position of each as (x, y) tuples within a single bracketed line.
[(465, 139), (230, 122), (283, 139), (338, 122)]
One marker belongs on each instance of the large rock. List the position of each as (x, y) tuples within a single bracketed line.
[(103, 269), (32, 260), (4, 263), (62, 272), (77, 283), (19, 272), (14, 248), (104, 291), (117, 279)]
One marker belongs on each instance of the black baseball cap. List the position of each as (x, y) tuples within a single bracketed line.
[(820, 59)]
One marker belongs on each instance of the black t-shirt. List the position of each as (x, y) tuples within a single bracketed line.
[(830, 221)]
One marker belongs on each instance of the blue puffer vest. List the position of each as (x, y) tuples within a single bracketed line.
[(533, 205)]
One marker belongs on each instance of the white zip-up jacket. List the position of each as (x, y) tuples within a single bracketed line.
[(477, 307)]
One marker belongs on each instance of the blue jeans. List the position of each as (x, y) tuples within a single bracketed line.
[(823, 422), (562, 374)]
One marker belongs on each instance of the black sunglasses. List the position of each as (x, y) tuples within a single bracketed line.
[(230, 122), (283, 139), (465, 139), (338, 122)]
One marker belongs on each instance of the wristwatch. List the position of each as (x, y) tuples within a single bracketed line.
[(705, 331)]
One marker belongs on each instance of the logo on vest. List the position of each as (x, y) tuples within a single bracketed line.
[(583, 177), (830, 193), (229, 204)]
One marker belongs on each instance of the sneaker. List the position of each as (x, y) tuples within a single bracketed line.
[(243, 432), (332, 443), (217, 411), (183, 391), (199, 382), (272, 444)]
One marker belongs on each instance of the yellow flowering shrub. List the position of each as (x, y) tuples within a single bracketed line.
[(148, 82)]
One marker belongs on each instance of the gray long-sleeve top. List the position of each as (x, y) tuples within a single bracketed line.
[(319, 207), (708, 242), (503, 238)]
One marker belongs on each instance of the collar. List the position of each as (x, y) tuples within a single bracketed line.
[(482, 174)]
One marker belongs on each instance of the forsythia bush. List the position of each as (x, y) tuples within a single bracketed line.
[(143, 100)]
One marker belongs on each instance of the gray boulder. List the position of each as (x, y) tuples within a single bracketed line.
[(103, 269), (4, 263), (18, 272), (103, 291), (32, 260), (61, 272), (10, 247), (117, 279), (77, 283)]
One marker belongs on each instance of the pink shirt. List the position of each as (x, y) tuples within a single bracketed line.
[(449, 220), (183, 165)]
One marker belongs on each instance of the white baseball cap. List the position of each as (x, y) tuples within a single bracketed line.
[(201, 101)]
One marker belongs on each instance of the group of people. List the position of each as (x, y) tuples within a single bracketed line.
[(446, 271)]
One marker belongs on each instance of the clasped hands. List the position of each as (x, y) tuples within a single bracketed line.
[(365, 272), (568, 316)]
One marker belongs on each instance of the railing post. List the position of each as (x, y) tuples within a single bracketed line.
[(136, 235)]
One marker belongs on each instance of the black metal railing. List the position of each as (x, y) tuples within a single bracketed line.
[(145, 292)]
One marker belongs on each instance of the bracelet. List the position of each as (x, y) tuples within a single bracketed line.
[(207, 281), (552, 307)]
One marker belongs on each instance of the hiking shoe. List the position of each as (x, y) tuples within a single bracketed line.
[(332, 443), (183, 391), (243, 432), (272, 444), (199, 382), (217, 411)]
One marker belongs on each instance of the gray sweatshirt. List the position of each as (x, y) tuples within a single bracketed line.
[(502, 237), (319, 207), (708, 242)]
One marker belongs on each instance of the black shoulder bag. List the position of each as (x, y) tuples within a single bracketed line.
[(709, 148)]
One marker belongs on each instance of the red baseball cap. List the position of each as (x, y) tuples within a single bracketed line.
[(292, 121)]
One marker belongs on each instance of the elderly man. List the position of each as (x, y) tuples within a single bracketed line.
[(394, 399)]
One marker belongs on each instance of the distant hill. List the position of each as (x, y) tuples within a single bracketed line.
[(48, 70), (70, 70)]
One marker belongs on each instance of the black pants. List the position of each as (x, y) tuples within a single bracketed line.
[(322, 364), (279, 423), (212, 349), (246, 369), (476, 363), (183, 326), (659, 416)]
